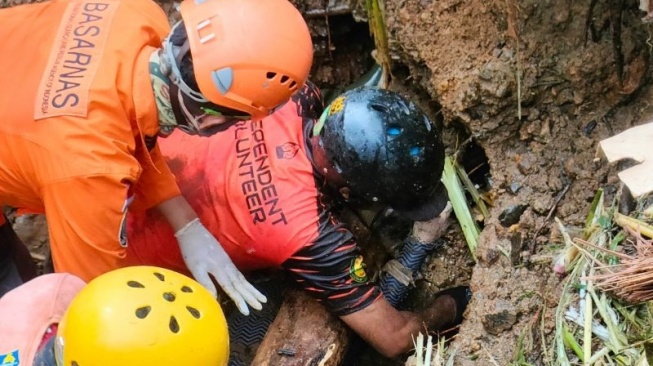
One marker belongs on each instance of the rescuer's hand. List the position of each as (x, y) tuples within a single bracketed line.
[(204, 256)]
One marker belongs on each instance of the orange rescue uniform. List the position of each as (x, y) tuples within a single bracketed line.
[(78, 123)]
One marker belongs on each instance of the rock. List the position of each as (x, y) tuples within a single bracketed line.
[(540, 203), (487, 251), (529, 129), (571, 167), (526, 163), (514, 187), (511, 215), (555, 183), (516, 244), (499, 322)]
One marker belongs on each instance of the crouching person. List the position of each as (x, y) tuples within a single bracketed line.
[(265, 190)]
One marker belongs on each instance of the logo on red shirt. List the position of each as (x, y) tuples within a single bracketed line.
[(287, 150)]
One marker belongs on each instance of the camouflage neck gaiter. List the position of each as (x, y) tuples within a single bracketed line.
[(160, 86)]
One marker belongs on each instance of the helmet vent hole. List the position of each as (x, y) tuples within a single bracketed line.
[(159, 276), (74, 363), (187, 289), (169, 296), (135, 284), (293, 85), (284, 79), (379, 108), (394, 131), (270, 75), (194, 312), (143, 312), (174, 326)]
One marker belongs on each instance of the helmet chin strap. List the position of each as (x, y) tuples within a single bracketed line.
[(188, 106), (172, 56), (185, 120)]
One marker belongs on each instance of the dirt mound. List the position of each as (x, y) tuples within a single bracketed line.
[(535, 85)]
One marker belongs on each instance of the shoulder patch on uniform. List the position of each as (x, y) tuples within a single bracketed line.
[(357, 269), (10, 359), (74, 59)]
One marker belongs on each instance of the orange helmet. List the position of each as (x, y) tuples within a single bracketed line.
[(239, 57)]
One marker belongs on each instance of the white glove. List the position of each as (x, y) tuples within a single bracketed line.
[(204, 255)]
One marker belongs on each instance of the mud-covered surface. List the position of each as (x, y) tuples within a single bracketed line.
[(566, 58), (32, 229), (524, 90)]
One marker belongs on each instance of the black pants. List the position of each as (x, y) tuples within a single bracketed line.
[(16, 264)]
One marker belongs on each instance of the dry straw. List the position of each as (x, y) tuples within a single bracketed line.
[(429, 354), (600, 319)]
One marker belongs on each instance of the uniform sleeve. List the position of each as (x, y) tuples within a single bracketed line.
[(86, 222), (309, 101), (332, 269), (156, 183)]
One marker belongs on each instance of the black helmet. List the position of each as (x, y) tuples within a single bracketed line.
[(384, 148)]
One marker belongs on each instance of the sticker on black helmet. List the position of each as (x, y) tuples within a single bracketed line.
[(336, 106)]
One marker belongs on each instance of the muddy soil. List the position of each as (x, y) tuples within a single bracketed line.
[(524, 90), (536, 85)]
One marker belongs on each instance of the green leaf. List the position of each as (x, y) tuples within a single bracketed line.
[(460, 207)]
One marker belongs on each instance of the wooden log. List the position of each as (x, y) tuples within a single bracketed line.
[(303, 333)]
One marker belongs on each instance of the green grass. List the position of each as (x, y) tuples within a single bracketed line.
[(458, 201)]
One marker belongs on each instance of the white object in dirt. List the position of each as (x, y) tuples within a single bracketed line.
[(601, 331), (646, 5), (634, 143)]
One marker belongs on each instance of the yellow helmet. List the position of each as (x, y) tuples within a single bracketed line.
[(143, 316)]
